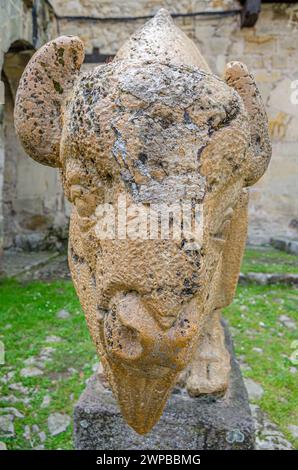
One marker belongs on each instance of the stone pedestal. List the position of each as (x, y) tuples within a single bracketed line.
[(187, 423)]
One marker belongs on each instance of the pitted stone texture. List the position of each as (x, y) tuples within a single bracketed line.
[(268, 436), (47, 79), (220, 40), (187, 423), (154, 126), (161, 38)]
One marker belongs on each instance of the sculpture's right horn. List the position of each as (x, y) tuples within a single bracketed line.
[(45, 83), (238, 77)]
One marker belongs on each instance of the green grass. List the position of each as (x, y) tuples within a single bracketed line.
[(268, 260), (28, 315), (254, 316)]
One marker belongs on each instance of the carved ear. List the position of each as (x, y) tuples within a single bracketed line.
[(43, 88), (238, 77), (233, 251)]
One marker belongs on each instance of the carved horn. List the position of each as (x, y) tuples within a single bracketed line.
[(238, 77), (161, 40), (43, 88)]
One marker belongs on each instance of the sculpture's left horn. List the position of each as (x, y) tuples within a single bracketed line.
[(238, 77), (43, 88)]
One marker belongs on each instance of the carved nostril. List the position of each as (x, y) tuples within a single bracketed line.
[(121, 341)]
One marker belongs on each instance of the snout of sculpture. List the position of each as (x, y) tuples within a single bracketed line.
[(134, 337), (158, 126), (144, 358)]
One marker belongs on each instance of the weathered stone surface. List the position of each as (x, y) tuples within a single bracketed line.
[(46, 401), (268, 436), (14, 411), (27, 432), (255, 391), (42, 436), (57, 423), (155, 127), (187, 423), (293, 428), (53, 339), (6, 425), (285, 244), (31, 371), (269, 278), (18, 387), (63, 314), (276, 29), (14, 264), (288, 322)]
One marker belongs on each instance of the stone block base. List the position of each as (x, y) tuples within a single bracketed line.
[(187, 423)]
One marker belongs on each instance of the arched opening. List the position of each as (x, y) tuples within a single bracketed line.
[(15, 61), (32, 199)]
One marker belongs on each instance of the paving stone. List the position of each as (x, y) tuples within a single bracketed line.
[(35, 428), (53, 339), (47, 352), (57, 423), (14, 411), (255, 391), (7, 377), (293, 430), (268, 436), (264, 279), (6, 425), (30, 361), (31, 371), (288, 322), (18, 387), (27, 432), (63, 314), (42, 436), (46, 401)]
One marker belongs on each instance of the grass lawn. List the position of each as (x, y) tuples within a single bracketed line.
[(61, 348), (268, 260), (27, 320), (267, 347)]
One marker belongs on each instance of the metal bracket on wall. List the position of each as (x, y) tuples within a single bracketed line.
[(250, 12)]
